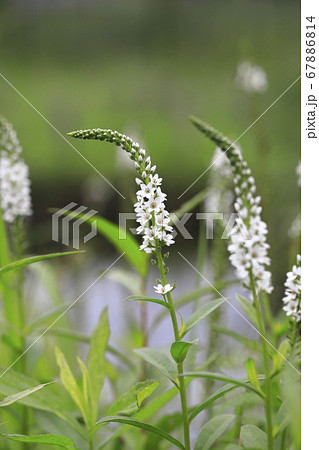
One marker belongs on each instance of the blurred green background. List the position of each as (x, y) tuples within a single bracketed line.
[(142, 66)]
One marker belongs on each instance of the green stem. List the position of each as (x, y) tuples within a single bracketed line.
[(180, 370), (18, 236), (268, 397)]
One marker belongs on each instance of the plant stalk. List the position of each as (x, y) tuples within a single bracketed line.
[(180, 370), (268, 397)]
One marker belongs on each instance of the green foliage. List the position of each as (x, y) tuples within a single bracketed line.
[(96, 364), (33, 259), (19, 395), (252, 373), (139, 298), (45, 439), (202, 312), (70, 384), (158, 360), (180, 349), (212, 430), (248, 308), (253, 437), (130, 401), (144, 426)]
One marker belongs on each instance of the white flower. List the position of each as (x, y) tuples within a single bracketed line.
[(15, 192), (160, 289), (292, 297), (248, 246), (251, 78), (151, 214)]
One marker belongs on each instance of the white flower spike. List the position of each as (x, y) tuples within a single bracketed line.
[(150, 210), (15, 192)]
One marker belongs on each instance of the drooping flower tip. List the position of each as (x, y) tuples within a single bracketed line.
[(150, 209)]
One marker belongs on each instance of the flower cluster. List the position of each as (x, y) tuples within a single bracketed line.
[(292, 297), (152, 217), (251, 78), (15, 193), (248, 248)]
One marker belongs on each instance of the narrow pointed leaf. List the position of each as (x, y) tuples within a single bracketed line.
[(70, 383), (279, 357), (130, 401), (54, 401), (219, 393), (212, 430), (158, 360), (87, 391), (252, 373), (253, 437), (144, 426), (46, 439), (221, 377), (139, 298), (33, 259), (96, 364), (248, 308), (19, 395), (202, 312), (180, 349), (146, 392), (148, 411)]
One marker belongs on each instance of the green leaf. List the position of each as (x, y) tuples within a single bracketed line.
[(158, 360), (279, 357), (252, 373), (144, 426), (148, 411), (47, 439), (130, 401), (146, 392), (140, 298), (253, 437), (248, 308), (219, 393), (212, 430), (221, 377), (283, 418), (87, 391), (194, 295), (43, 399), (180, 349), (70, 384), (202, 312), (19, 395), (33, 259), (252, 344), (96, 363), (169, 423)]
